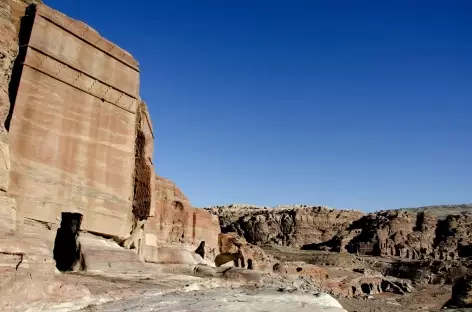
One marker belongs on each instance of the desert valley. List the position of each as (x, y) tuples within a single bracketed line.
[(87, 225)]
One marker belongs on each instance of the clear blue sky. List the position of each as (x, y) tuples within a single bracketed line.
[(351, 104)]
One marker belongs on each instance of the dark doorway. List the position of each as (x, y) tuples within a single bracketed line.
[(67, 251)]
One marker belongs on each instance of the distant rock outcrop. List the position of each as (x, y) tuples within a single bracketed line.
[(398, 233), (293, 226), (404, 234)]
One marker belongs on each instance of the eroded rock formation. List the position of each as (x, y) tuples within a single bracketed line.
[(294, 226), (408, 235), (393, 233)]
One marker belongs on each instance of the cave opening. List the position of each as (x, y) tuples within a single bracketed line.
[(67, 250), (385, 286), (365, 288)]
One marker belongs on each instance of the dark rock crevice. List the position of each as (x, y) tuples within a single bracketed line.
[(142, 175)]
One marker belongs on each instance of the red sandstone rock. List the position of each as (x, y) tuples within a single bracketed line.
[(73, 127), (176, 222)]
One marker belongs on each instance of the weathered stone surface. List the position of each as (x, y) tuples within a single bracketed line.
[(107, 256), (73, 127), (7, 214), (26, 260), (294, 226), (176, 222), (228, 300), (173, 255)]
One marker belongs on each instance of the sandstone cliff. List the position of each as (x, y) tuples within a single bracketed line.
[(176, 222), (294, 226), (76, 137), (72, 124)]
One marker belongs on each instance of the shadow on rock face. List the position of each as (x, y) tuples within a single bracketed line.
[(461, 293), (67, 251), (201, 250)]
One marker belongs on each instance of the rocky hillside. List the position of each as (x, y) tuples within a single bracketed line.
[(410, 235), (294, 226), (421, 233)]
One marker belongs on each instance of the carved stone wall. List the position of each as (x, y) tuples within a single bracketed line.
[(73, 125)]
